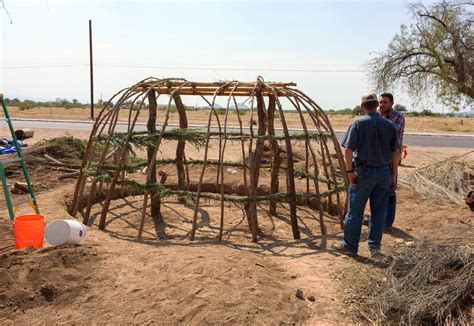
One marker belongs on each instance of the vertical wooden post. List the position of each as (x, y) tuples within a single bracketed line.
[(151, 128), (91, 69), (206, 150), (296, 104), (255, 161), (221, 163), (274, 152), (183, 124), (290, 172)]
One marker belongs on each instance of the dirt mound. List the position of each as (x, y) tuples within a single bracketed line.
[(6, 237), (32, 278)]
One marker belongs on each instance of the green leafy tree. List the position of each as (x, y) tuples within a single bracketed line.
[(400, 108), (435, 53), (357, 110)]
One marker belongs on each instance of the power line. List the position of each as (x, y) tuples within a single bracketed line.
[(44, 66), (188, 68)]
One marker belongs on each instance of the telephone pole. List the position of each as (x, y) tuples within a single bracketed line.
[(91, 69)]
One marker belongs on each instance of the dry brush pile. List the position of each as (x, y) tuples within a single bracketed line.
[(431, 284), (450, 179), (50, 161)]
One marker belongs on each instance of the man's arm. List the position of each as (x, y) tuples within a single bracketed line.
[(400, 126), (396, 154), (350, 168), (350, 143), (395, 163)]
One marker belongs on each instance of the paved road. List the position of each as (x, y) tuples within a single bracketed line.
[(464, 141)]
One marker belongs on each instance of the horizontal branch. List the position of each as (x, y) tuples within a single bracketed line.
[(91, 171), (195, 137), (163, 191)]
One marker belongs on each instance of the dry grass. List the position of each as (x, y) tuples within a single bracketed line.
[(449, 179), (414, 124), (431, 284)]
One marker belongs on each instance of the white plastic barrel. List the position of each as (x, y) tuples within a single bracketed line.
[(65, 232)]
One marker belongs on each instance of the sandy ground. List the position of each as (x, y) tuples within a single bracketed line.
[(167, 279)]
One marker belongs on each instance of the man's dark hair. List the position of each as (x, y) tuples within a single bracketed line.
[(389, 95), (372, 105)]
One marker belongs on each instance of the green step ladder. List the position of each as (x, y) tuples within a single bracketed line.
[(31, 200)]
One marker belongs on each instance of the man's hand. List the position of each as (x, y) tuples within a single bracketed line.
[(394, 181), (352, 178)]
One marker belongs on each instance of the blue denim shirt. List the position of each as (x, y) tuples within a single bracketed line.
[(372, 140)]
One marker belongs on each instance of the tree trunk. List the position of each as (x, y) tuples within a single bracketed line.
[(151, 128), (183, 124), (255, 161), (274, 152)]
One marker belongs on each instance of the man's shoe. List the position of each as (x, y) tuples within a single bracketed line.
[(379, 257), (388, 229), (339, 247)]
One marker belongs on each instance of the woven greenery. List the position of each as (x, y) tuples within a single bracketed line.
[(141, 163), (162, 191), (194, 137)]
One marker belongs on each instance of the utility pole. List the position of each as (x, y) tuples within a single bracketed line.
[(91, 69)]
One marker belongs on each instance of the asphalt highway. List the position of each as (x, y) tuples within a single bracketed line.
[(410, 139)]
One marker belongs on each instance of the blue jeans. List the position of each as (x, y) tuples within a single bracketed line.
[(373, 184), (391, 208)]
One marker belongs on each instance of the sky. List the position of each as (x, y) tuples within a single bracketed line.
[(320, 45)]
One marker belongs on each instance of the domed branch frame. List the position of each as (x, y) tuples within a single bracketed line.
[(99, 178)]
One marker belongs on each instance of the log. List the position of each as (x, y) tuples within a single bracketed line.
[(68, 175), (22, 134), (23, 186)]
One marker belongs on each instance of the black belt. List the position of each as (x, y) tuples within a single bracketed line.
[(359, 164)]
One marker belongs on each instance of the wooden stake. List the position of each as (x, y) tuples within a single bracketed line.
[(183, 124), (275, 156), (221, 166), (290, 173), (255, 161), (151, 128)]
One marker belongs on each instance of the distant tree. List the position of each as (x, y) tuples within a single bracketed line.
[(75, 101), (27, 104), (435, 53), (429, 113), (400, 108), (357, 110)]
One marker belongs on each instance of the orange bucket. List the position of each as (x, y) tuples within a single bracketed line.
[(29, 231)]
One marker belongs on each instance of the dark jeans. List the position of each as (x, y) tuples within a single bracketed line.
[(391, 208), (373, 184)]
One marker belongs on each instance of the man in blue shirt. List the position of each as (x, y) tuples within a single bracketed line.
[(386, 110), (372, 158)]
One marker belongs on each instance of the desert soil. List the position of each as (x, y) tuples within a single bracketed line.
[(167, 279)]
